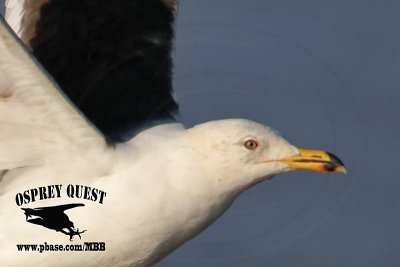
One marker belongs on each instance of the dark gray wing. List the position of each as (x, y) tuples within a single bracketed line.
[(111, 58)]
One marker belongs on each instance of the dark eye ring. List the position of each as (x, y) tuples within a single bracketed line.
[(251, 144)]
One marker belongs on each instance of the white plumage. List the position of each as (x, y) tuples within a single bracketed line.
[(13, 14), (163, 187)]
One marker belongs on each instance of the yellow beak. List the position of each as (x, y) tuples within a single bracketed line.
[(315, 160)]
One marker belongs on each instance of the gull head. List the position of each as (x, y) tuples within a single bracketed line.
[(235, 154)]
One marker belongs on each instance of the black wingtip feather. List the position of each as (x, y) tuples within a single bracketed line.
[(112, 59)]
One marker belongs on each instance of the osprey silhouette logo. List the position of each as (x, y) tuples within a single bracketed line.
[(54, 218)]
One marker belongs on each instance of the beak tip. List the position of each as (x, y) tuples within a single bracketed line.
[(341, 169), (338, 162)]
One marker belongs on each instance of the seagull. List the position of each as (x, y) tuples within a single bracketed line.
[(86, 110)]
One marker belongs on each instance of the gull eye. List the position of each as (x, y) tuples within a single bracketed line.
[(251, 144)]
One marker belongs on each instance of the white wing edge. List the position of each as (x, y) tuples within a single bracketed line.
[(14, 14), (33, 109)]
